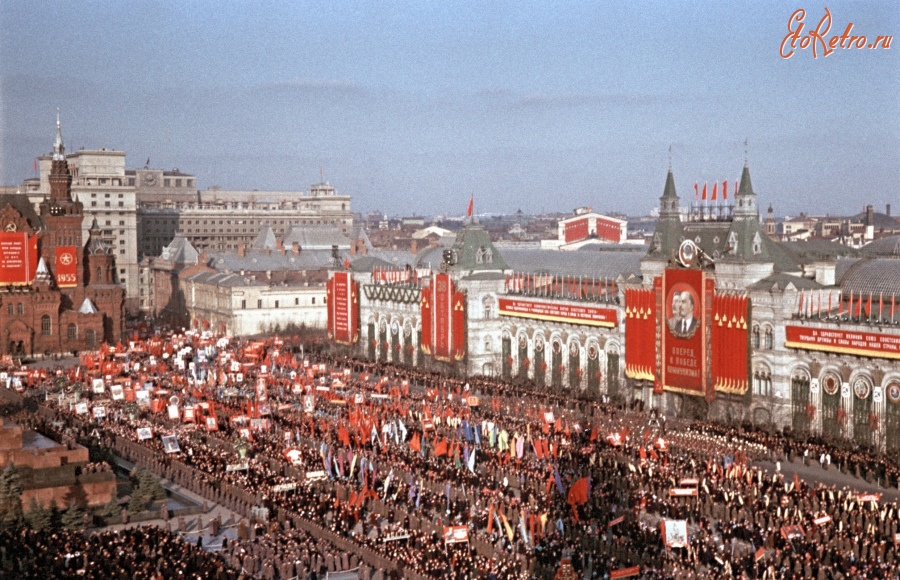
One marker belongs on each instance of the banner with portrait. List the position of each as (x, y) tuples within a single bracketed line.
[(683, 330)]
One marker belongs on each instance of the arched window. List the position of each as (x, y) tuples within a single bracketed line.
[(90, 338), (755, 337), (11, 308), (770, 339), (20, 309), (488, 305), (72, 331), (488, 344), (762, 382), (46, 325), (99, 274)]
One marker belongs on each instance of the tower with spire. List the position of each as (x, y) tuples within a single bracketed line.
[(62, 215), (71, 301)]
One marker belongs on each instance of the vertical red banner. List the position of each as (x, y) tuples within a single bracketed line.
[(426, 317), (354, 310), (731, 343), (684, 332), (343, 308), (640, 334), (66, 266), (459, 325), (443, 294), (329, 305)]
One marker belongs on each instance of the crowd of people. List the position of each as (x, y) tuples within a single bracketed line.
[(400, 460), (146, 552)]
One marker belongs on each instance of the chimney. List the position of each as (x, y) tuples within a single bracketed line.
[(204, 257), (413, 247), (870, 215), (887, 210), (242, 250), (295, 248), (279, 244)]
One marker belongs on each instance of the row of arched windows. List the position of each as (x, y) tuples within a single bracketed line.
[(768, 338)]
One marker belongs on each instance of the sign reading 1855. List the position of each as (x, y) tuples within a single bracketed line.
[(816, 38)]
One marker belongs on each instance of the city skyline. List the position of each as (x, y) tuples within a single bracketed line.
[(414, 109)]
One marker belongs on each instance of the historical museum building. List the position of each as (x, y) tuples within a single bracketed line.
[(714, 320), (57, 293)]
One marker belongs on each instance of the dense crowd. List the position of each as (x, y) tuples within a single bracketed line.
[(122, 555), (388, 457)]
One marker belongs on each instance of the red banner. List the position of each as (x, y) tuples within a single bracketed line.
[(611, 229), (731, 343), (683, 332), (443, 319), (557, 312), (18, 258), (343, 308), (442, 294), (640, 334), (427, 313), (66, 266), (459, 325), (843, 341), (576, 230), (625, 572)]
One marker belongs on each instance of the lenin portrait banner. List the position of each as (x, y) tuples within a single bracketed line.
[(683, 331)]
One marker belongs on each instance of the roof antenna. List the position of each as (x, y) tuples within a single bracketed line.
[(670, 157)]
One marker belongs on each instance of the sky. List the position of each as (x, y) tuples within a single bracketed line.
[(413, 107)]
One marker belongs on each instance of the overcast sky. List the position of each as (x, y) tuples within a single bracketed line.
[(413, 107)]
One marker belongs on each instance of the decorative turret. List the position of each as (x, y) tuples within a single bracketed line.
[(669, 230), (99, 262), (745, 200)]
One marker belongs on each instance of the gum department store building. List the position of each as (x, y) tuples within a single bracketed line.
[(715, 320)]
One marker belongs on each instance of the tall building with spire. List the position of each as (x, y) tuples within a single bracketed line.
[(56, 293)]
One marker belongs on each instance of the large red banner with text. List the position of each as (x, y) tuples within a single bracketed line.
[(683, 332), (443, 319), (66, 266), (871, 344), (18, 258), (557, 312), (443, 294), (343, 308)]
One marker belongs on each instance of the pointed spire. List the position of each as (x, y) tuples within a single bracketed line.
[(746, 187), (42, 273), (669, 191), (59, 150)]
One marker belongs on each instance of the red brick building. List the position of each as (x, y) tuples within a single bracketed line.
[(57, 294)]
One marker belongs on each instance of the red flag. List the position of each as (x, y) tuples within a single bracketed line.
[(725, 189), (578, 493), (703, 195), (696, 191), (471, 206), (715, 189)]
